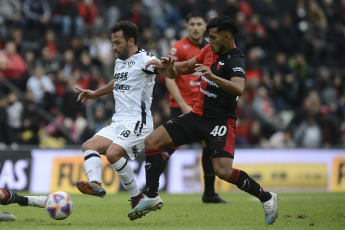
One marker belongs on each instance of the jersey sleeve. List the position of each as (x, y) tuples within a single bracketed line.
[(236, 67), (146, 57), (200, 57)]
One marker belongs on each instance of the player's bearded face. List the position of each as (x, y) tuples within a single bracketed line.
[(124, 52), (120, 45)]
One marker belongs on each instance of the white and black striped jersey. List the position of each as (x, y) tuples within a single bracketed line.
[(133, 86)]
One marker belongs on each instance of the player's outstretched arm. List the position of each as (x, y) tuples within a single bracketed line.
[(165, 67), (93, 94)]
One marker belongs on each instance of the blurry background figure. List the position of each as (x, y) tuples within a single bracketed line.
[(42, 88)]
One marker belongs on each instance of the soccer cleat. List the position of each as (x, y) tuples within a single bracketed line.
[(271, 209), (215, 198), (91, 188), (135, 200), (9, 197), (145, 206), (5, 216), (36, 201)]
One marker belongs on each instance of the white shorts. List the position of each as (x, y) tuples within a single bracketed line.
[(130, 135)]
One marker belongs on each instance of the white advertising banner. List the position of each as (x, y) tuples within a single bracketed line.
[(290, 168)]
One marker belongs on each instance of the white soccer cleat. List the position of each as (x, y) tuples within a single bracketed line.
[(37, 201), (271, 209), (145, 205)]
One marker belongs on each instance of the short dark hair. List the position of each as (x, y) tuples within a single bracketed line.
[(195, 14), (223, 23), (130, 30)]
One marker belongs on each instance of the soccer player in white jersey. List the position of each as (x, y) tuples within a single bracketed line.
[(132, 121)]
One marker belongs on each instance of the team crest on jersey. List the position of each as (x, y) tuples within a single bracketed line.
[(173, 51), (220, 63), (131, 64)]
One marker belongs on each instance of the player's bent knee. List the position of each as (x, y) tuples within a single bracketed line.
[(222, 173), (149, 144), (86, 146)]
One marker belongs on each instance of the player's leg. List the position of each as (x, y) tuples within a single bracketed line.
[(209, 196), (222, 139), (7, 197), (178, 131), (223, 169), (93, 164), (116, 157)]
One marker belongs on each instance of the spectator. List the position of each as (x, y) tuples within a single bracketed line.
[(4, 129), (30, 120), (14, 111), (265, 111), (66, 16), (10, 16), (308, 133), (16, 71), (89, 12), (37, 16), (42, 88)]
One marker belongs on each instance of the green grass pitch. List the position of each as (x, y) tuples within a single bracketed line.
[(296, 211)]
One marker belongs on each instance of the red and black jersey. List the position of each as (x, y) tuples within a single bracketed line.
[(188, 85), (212, 101)]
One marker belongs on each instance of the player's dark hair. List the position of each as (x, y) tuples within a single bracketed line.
[(223, 23), (130, 30), (195, 14)]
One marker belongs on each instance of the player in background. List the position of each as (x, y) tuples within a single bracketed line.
[(7, 197), (183, 93), (132, 121), (212, 118)]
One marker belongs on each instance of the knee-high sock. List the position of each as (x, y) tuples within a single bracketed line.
[(93, 165), (247, 184), (209, 176), (126, 174), (153, 168), (167, 152)]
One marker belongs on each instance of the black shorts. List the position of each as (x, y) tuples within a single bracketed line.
[(218, 133)]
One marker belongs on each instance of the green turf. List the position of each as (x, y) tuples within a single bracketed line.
[(296, 211)]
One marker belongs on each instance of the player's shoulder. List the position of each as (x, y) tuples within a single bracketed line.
[(143, 53), (144, 56)]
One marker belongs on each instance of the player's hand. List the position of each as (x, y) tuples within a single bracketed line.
[(85, 94), (167, 63), (204, 70), (155, 64)]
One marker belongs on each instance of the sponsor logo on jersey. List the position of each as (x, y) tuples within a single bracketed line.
[(120, 87), (173, 51), (208, 93), (220, 63), (239, 69), (131, 64), (194, 83), (210, 82), (185, 46), (135, 150), (120, 76)]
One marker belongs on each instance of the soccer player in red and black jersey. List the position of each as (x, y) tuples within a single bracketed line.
[(183, 93), (212, 118)]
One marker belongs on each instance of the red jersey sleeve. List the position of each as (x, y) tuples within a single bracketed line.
[(200, 57)]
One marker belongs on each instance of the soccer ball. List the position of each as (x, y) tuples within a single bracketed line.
[(59, 205)]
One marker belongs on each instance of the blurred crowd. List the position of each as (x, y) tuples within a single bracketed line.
[(295, 50)]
